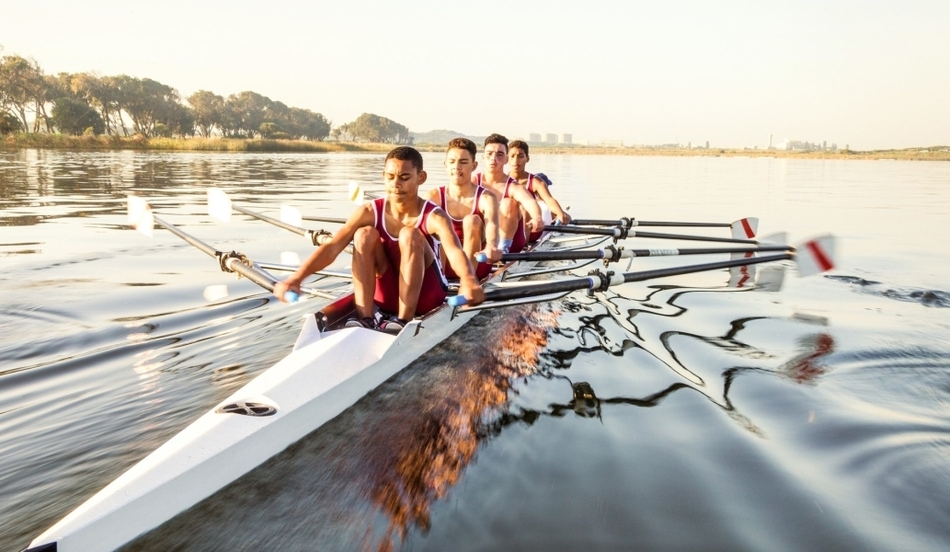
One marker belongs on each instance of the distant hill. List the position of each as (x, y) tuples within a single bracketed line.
[(442, 137)]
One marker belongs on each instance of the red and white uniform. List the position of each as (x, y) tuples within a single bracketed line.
[(520, 239), (482, 269), (546, 215), (434, 285)]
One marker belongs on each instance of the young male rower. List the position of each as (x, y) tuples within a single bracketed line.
[(512, 198), (536, 184), (396, 243), (472, 209)]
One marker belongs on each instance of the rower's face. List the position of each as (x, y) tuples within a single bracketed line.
[(402, 178), (496, 155), (517, 159), (460, 165)]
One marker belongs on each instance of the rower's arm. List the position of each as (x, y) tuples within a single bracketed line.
[(488, 206), (325, 254), (527, 201), (437, 223), (542, 190)]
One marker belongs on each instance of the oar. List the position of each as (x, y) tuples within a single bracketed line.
[(814, 256), (741, 228), (613, 254), (620, 233), (220, 207), (143, 220)]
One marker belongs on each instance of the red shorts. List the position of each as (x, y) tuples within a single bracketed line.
[(535, 236), (519, 240), (431, 295)]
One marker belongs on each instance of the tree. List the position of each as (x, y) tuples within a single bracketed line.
[(373, 128), (147, 102), (209, 111), (9, 123), (73, 116), (21, 82), (248, 111)]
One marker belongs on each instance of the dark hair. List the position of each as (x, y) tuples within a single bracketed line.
[(497, 139), (520, 144), (405, 153), (463, 144)]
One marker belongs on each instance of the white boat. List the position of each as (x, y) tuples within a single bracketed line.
[(329, 369)]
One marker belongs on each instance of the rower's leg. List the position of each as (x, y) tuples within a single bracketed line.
[(509, 213), (415, 255), (369, 261), (473, 231)]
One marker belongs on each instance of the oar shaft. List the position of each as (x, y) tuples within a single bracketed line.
[(613, 254), (332, 220), (623, 233), (315, 237), (631, 222), (599, 281)]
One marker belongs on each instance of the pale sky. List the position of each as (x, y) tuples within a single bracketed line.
[(871, 74)]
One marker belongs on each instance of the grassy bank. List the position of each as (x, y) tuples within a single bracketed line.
[(59, 141), (103, 142)]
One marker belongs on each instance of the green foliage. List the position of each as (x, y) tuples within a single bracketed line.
[(9, 124), (74, 116), (373, 128)]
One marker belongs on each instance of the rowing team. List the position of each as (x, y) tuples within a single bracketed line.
[(401, 241)]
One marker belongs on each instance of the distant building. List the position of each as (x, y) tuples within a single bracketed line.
[(707, 144), (567, 138), (534, 137), (550, 138)]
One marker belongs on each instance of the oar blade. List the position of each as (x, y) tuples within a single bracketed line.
[(816, 255), (770, 278), (778, 238), (291, 215), (357, 195), (215, 292), (290, 258), (744, 229), (219, 205), (140, 215)]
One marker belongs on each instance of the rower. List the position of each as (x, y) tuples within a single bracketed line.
[(536, 184), (472, 209), (396, 241), (512, 198)]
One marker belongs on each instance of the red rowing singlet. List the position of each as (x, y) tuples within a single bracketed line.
[(434, 285), (481, 269)]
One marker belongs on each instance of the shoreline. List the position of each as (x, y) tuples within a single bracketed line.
[(103, 142)]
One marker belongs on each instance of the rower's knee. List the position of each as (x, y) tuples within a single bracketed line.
[(410, 237), (507, 207), (365, 237)]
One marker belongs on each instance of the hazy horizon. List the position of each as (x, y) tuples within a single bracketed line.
[(865, 74)]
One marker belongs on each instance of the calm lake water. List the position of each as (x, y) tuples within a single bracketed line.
[(725, 418)]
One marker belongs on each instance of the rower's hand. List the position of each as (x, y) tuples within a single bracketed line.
[(287, 291), (564, 218), (491, 252), (473, 292), (535, 225)]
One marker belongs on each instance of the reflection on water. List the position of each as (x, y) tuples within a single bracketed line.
[(701, 412)]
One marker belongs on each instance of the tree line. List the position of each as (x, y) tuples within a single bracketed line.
[(85, 103)]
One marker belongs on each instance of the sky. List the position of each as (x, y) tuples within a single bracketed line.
[(868, 74)]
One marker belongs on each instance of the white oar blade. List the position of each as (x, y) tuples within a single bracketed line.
[(140, 215), (770, 278), (357, 195), (744, 229), (290, 258), (216, 292), (291, 215), (219, 205), (742, 276), (816, 255), (778, 238)]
